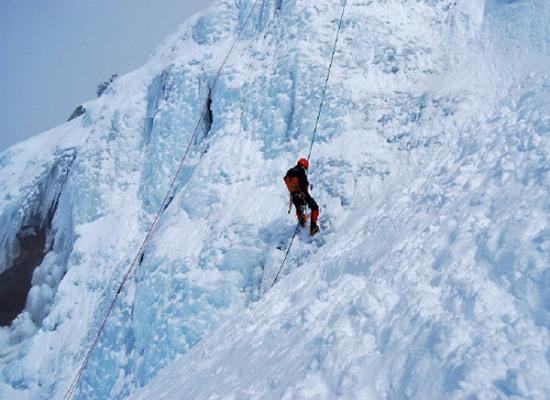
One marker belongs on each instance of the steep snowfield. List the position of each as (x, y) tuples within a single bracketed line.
[(429, 278)]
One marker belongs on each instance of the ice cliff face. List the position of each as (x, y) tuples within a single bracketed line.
[(430, 164)]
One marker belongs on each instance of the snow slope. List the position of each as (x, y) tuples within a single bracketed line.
[(430, 163)]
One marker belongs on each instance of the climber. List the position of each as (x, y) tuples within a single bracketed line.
[(298, 185)]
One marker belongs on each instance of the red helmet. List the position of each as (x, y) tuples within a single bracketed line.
[(303, 162)]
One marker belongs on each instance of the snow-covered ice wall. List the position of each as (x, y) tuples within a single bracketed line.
[(430, 164)]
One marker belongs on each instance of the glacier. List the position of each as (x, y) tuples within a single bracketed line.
[(165, 215)]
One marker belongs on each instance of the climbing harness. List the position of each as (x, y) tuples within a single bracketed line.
[(152, 227), (314, 132)]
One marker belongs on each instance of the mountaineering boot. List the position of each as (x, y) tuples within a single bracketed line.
[(314, 228)]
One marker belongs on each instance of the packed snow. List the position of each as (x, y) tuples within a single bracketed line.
[(430, 162)]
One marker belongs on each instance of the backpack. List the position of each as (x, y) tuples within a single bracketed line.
[(293, 184)]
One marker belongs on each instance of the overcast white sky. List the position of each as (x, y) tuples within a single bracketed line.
[(53, 53)]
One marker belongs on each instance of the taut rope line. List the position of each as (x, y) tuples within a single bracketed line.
[(315, 130), (150, 231)]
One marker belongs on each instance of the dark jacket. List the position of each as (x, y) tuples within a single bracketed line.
[(299, 172)]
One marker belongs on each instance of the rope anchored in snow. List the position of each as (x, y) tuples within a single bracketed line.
[(315, 130), (164, 204)]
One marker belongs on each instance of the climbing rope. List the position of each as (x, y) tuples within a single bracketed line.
[(152, 227), (326, 80), (286, 253), (315, 130)]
